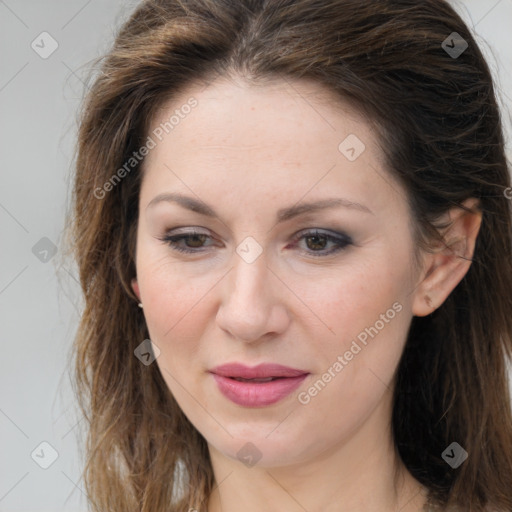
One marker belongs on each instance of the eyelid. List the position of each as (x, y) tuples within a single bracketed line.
[(194, 230), (321, 231), (187, 230), (342, 240)]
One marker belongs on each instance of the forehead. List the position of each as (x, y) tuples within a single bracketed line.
[(281, 137), (298, 121)]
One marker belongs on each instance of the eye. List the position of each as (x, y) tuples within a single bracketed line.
[(315, 240), (195, 237)]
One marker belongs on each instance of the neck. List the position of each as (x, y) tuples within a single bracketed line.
[(360, 473)]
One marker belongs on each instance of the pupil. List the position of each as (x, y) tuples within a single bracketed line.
[(317, 237), (197, 238)]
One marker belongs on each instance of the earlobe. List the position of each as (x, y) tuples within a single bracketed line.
[(447, 265), (135, 287)]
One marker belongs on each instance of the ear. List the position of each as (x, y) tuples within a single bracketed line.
[(135, 287), (445, 267)]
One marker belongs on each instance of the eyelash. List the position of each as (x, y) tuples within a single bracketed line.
[(340, 239)]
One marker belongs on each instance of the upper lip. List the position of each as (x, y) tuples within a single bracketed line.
[(260, 371)]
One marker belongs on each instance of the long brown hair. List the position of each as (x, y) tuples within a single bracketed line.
[(440, 131)]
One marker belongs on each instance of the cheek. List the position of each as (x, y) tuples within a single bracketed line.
[(174, 315), (176, 308), (368, 310), (171, 304), (353, 298), (167, 291)]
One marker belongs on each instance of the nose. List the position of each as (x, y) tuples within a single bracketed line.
[(252, 306)]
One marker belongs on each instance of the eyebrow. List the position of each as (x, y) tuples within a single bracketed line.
[(283, 214)]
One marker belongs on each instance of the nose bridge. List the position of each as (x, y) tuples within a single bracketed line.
[(249, 307), (249, 282), (249, 277)]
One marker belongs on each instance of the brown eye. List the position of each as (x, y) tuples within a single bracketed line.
[(316, 242), (193, 241)]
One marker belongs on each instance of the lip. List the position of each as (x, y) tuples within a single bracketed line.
[(260, 371), (257, 394)]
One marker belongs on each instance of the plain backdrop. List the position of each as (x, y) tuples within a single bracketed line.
[(39, 99)]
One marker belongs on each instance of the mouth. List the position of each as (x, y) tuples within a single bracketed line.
[(262, 372), (258, 386), (268, 379)]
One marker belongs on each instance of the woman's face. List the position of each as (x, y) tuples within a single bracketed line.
[(259, 284)]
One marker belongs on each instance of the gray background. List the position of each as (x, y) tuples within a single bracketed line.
[(39, 99)]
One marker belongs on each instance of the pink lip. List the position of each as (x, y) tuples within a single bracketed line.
[(256, 372), (257, 394)]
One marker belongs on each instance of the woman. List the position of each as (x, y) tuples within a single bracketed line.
[(294, 240)]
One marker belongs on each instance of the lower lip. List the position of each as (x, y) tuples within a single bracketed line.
[(257, 394)]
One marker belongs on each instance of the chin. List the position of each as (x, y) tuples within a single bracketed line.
[(257, 448)]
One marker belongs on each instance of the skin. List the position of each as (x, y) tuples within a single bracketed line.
[(248, 151)]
